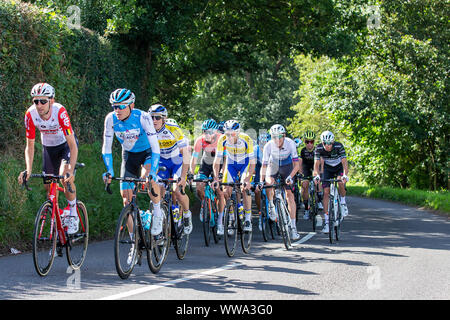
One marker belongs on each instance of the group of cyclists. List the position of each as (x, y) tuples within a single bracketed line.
[(151, 140)]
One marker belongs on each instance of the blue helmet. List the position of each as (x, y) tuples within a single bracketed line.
[(158, 109), (122, 96), (209, 124), (220, 126)]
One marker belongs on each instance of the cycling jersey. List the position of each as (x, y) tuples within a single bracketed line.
[(136, 134), (274, 156), (53, 130), (208, 148), (307, 157), (171, 140), (332, 158), (237, 153)]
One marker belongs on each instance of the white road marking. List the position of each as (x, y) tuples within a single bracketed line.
[(168, 283), (304, 239)]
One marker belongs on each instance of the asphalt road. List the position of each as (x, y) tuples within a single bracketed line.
[(387, 251)]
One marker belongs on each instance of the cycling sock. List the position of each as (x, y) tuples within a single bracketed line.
[(294, 223), (220, 218), (73, 207), (248, 215), (187, 214), (271, 203), (157, 209), (342, 200)]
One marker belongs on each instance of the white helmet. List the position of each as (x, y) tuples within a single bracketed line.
[(158, 109), (232, 125), (277, 129), (327, 137), (171, 121), (43, 90)]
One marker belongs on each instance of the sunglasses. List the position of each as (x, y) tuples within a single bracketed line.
[(120, 106), (41, 101), (328, 143), (156, 117), (210, 132), (309, 141), (279, 136)]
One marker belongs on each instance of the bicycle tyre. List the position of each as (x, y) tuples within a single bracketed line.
[(160, 246), (331, 221), (124, 245), (181, 240), (43, 225), (206, 212), (77, 244), (283, 224), (246, 236), (230, 224), (264, 219)]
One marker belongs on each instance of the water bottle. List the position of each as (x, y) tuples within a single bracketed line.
[(241, 211), (146, 219), (176, 213)]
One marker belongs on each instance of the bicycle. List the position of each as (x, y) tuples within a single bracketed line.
[(131, 238), (334, 211), (313, 201), (209, 211), (233, 226), (178, 237), (281, 207), (48, 239), (296, 190), (267, 225)]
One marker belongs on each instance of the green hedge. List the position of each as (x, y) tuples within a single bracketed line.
[(436, 200), (82, 66)]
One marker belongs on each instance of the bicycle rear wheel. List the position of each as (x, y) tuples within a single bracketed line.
[(213, 221), (331, 220), (44, 239), (230, 228), (77, 244), (160, 243), (283, 224), (125, 242)]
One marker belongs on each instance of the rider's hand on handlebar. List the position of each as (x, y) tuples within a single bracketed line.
[(289, 180), (107, 177)]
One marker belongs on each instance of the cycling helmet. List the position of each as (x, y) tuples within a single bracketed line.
[(171, 121), (43, 90), (124, 96), (232, 125), (277, 129), (309, 135), (327, 137), (209, 124), (220, 126), (158, 109)]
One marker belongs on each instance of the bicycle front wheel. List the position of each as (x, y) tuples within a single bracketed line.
[(126, 242), (206, 212), (331, 220), (44, 239), (77, 243), (160, 243), (230, 228), (246, 237), (181, 241), (283, 223)]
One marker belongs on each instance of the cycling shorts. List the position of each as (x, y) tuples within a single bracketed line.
[(231, 172), (52, 158), (131, 166), (330, 172), (173, 169)]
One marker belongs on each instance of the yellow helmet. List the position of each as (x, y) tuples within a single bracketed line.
[(309, 135)]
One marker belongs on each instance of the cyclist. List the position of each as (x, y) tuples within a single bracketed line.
[(306, 168), (335, 165), (207, 144), (59, 144), (280, 157), (259, 146), (135, 132), (240, 159), (175, 158)]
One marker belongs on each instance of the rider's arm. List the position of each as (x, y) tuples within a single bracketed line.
[(73, 151), (195, 154), (64, 122), (29, 155), (295, 159), (108, 135)]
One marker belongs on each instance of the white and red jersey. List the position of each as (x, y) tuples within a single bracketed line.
[(54, 130)]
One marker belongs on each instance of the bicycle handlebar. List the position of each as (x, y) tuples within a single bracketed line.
[(127, 179), (44, 175)]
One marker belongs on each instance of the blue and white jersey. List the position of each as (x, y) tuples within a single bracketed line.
[(135, 134)]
